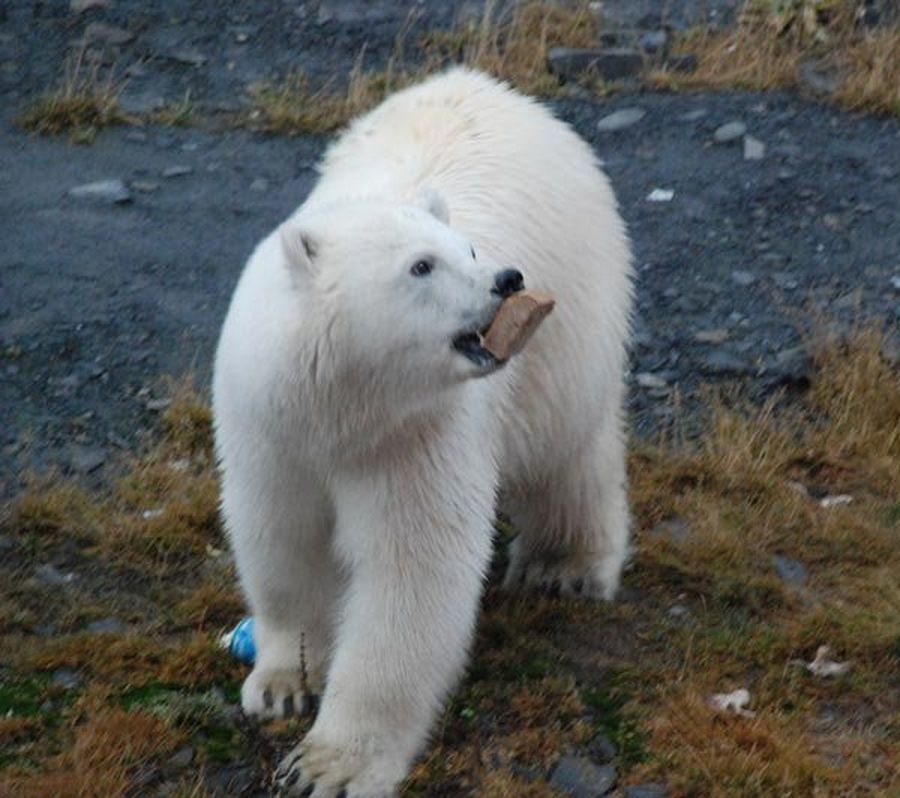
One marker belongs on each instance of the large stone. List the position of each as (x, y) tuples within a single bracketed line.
[(609, 63), (578, 777)]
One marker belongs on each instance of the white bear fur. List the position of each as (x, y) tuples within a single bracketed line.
[(362, 456)]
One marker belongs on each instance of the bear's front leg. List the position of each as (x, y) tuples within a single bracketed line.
[(417, 544)]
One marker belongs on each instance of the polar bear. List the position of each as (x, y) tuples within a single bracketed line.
[(364, 434)]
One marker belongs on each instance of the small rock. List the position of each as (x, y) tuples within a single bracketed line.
[(176, 171), (610, 63), (260, 184), (754, 149), (66, 678), (106, 626), (820, 78), (647, 380), (187, 55), (730, 131), (716, 336), (895, 282), (581, 778), (735, 701), (681, 62), (107, 34), (661, 195), (621, 119), (350, 12), (50, 575), (743, 278), (671, 528), (87, 459), (80, 6), (790, 571), (720, 363), (653, 41), (158, 405), (693, 116), (109, 192), (649, 790), (678, 611), (603, 747), (181, 758), (145, 186)]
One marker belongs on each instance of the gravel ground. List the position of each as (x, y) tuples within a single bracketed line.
[(99, 300)]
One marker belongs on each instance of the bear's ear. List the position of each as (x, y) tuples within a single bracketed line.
[(430, 200), (300, 247)]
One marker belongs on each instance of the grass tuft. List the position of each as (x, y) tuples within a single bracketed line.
[(83, 103), (773, 42)]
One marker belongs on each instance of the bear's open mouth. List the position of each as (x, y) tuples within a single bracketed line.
[(471, 344)]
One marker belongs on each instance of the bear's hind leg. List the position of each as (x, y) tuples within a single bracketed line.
[(573, 524)]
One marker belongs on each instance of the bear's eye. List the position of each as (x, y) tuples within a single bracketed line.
[(421, 268)]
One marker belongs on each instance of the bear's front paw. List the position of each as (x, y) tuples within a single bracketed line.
[(276, 693), (323, 770), (574, 574)]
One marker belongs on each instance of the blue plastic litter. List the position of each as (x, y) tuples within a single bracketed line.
[(240, 643)]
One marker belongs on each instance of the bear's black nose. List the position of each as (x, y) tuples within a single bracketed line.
[(508, 282)]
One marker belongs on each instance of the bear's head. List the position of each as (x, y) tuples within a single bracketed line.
[(393, 290)]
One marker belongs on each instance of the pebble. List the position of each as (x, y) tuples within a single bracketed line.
[(260, 184), (730, 131), (671, 528), (580, 778), (176, 171), (144, 186), (87, 459), (651, 789), (605, 748), (895, 282), (648, 380), (716, 336), (743, 278), (66, 678), (51, 575), (80, 6), (106, 626), (181, 758), (653, 41), (754, 149), (790, 571), (621, 119), (661, 195), (721, 363), (110, 192), (107, 34), (610, 63), (693, 116)]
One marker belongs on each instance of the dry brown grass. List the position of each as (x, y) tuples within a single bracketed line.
[(105, 745), (85, 101), (773, 40), (546, 675), (510, 41)]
